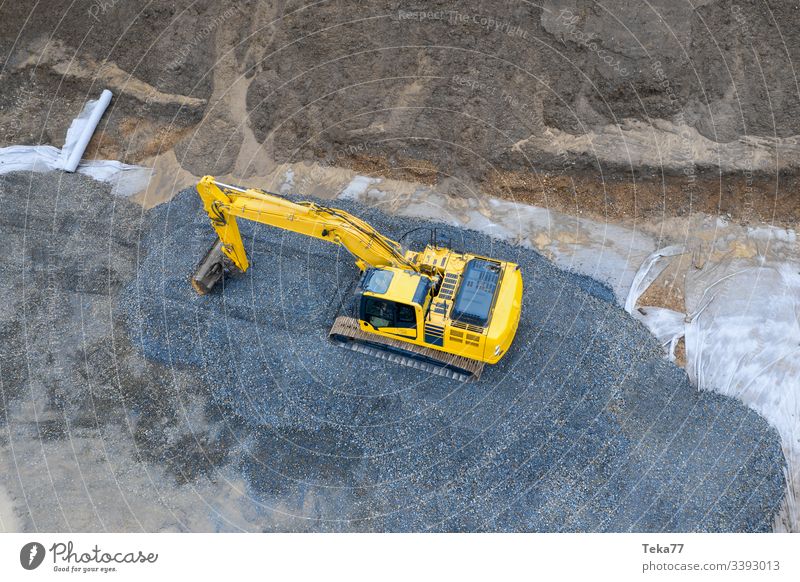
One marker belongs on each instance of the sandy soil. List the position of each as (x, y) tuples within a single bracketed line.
[(678, 125)]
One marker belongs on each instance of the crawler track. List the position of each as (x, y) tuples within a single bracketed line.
[(346, 333)]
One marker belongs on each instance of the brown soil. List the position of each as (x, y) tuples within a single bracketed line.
[(668, 289), (680, 353), (406, 169), (742, 199), (104, 147), (770, 200), (135, 140), (166, 82)]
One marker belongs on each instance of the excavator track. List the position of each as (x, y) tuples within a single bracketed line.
[(346, 333)]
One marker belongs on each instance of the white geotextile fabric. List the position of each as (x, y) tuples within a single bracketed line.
[(742, 335), (126, 179), (81, 130), (666, 324)]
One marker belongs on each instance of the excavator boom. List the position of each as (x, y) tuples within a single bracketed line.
[(225, 203)]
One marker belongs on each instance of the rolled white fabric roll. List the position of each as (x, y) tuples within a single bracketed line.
[(81, 131)]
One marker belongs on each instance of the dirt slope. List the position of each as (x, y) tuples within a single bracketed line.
[(468, 89)]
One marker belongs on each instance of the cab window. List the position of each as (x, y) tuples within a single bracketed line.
[(383, 313), (378, 312), (406, 316)]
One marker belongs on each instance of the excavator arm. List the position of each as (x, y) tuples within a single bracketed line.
[(225, 203)]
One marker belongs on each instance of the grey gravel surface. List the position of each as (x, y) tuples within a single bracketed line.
[(242, 416), (583, 426)]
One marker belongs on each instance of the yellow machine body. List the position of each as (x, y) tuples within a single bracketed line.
[(438, 299)]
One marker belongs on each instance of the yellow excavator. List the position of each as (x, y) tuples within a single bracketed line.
[(438, 310)]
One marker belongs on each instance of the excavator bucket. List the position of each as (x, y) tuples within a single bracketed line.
[(211, 269)]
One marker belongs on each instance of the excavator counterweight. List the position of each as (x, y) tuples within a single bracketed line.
[(437, 310)]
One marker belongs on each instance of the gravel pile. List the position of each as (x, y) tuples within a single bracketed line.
[(93, 437), (129, 403), (582, 427)]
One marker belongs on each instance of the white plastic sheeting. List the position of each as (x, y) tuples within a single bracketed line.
[(743, 340), (81, 131), (742, 332), (648, 272), (666, 324), (126, 179)]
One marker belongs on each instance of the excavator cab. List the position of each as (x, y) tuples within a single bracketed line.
[(393, 301)]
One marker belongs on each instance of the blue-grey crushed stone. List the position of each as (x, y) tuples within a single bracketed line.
[(583, 426)]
